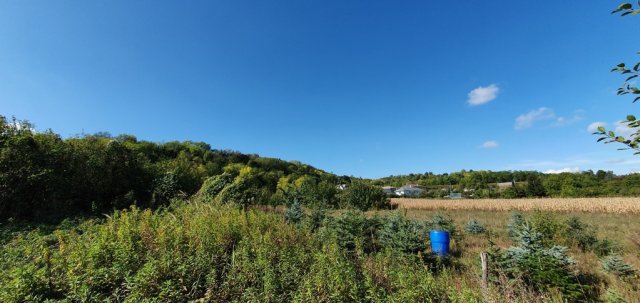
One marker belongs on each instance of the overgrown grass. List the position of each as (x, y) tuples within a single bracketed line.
[(209, 252)]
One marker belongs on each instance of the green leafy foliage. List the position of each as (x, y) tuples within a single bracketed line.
[(212, 186), (363, 196), (46, 178), (630, 73), (207, 252)]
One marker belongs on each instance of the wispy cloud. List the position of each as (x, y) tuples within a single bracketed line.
[(483, 94), (527, 120), (578, 115), (577, 163), (563, 170), (489, 144), (593, 127), (546, 114)]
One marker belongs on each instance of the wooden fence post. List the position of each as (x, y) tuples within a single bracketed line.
[(485, 270)]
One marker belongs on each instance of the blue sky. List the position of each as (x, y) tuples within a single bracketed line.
[(364, 88)]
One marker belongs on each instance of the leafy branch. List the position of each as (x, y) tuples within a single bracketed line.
[(628, 87), (633, 73), (610, 137), (626, 9)]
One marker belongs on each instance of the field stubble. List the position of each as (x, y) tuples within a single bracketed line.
[(618, 205)]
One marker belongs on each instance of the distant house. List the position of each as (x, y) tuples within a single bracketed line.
[(409, 191), (413, 185), (455, 195), (389, 190), (505, 185), (341, 186)]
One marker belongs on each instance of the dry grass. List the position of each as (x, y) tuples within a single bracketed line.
[(628, 205)]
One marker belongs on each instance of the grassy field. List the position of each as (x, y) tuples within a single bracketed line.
[(620, 205)]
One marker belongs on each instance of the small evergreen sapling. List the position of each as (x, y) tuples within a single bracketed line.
[(442, 222), (474, 227), (515, 225), (402, 234), (539, 267), (294, 213), (615, 265)]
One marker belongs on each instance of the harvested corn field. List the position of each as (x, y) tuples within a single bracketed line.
[(601, 205)]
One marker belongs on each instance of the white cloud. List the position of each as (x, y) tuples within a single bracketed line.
[(526, 120), (593, 127), (563, 170), (482, 95), (489, 144), (619, 163)]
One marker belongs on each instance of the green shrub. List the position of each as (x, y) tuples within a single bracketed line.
[(584, 237), (239, 192), (606, 247), (581, 234), (212, 186), (362, 196), (317, 218), (401, 234), (548, 225), (443, 222), (353, 227)]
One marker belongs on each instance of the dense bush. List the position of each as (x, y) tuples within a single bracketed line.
[(353, 229), (363, 196), (401, 234), (212, 186)]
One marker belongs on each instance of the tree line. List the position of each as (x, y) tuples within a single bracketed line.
[(484, 184), (45, 177)]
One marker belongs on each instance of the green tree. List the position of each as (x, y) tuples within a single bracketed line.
[(534, 187)]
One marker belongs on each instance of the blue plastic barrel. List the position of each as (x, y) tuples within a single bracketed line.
[(439, 242)]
